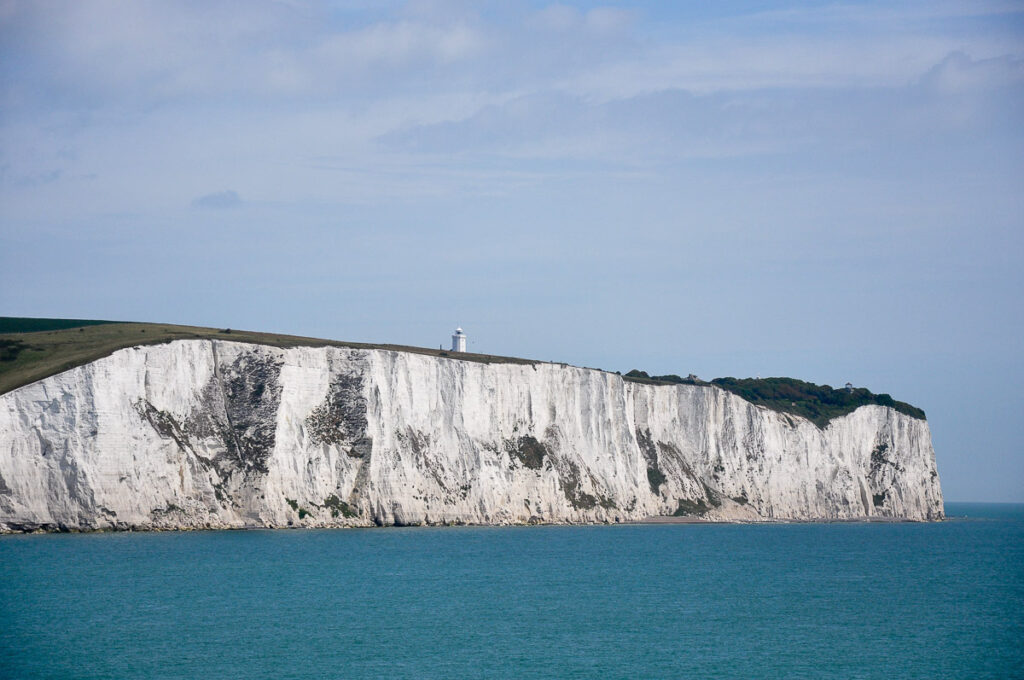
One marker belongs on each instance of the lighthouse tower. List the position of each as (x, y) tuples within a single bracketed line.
[(458, 341)]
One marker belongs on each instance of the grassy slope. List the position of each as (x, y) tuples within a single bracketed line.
[(40, 354)]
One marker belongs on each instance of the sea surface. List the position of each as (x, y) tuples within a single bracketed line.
[(940, 600)]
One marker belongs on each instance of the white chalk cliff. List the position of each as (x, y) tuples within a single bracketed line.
[(201, 433)]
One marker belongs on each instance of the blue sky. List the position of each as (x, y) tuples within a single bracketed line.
[(826, 191)]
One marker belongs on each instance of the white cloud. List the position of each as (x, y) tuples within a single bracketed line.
[(108, 54), (301, 101), (103, 53), (757, 63)]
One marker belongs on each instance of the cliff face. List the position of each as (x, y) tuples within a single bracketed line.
[(203, 433)]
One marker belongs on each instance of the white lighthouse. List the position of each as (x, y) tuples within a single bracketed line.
[(458, 341)]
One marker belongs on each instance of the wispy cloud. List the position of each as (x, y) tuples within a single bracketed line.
[(161, 95), (958, 73)]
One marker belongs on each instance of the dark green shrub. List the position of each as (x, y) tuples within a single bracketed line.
[(10, 349), (817, 403), (688, 507), (338, 507)]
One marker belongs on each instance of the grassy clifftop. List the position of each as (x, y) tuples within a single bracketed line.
[(33, 349)]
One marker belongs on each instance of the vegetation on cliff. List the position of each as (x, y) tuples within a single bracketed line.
[(817, 403)]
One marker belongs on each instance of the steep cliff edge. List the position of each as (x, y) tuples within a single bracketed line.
[(210, 433)]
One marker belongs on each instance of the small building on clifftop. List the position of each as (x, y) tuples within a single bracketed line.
[(458, 341)]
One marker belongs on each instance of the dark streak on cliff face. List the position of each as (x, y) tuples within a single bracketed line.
[(341, 418), (655, 477), (879, 457), (570, 479), (883, 472), (163, 423), (701, 497), (418, 445), (239, 407), (5, 494), (252, 394), (528, 451)]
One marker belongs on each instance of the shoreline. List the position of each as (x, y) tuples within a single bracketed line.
[(654, 520), (669, 519)]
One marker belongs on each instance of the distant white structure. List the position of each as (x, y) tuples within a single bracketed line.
[(458, 341)]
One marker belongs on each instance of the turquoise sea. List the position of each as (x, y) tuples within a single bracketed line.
[(943, 600)]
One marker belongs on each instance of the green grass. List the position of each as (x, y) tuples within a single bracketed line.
[(26, 357), (39, 348)]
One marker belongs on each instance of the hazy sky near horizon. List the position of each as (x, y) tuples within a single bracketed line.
[(833, 192)]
